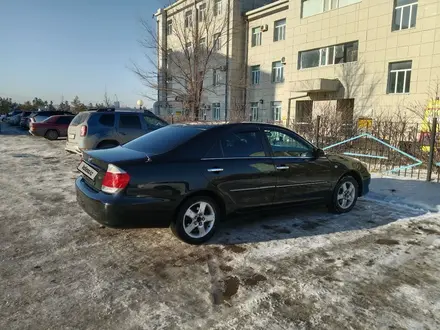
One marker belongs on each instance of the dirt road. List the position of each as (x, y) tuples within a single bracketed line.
[(377, 267)]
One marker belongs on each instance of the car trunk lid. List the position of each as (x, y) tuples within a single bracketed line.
[(97, 162)]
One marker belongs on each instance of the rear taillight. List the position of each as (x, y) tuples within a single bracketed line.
[(115, 180), (83, 130)]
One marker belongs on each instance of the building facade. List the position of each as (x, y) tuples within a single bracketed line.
[(363, 58)]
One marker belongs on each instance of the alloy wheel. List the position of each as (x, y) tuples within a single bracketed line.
[(199, 220), (346, 195)]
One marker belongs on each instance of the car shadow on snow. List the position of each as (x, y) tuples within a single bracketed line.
[(305, 221)]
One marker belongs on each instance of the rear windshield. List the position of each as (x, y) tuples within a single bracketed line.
[(79, 119), (40, 118), (164, 139)]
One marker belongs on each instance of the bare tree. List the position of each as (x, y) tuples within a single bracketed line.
[(358, 84), (420, 109), (188, 55), (107, 101)]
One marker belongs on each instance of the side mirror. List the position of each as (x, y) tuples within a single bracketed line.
[(319, 153)]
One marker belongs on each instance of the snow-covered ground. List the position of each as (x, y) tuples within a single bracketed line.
[(376, 267)]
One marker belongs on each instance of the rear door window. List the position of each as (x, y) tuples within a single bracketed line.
[(64, 120), (242, 144), (129, 121), (107, 120)]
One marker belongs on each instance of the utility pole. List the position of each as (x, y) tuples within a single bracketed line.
[(227, 62)]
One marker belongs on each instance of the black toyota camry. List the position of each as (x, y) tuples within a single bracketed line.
[(189, 177)]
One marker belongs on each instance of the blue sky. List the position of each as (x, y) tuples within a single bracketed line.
[(50, 48)]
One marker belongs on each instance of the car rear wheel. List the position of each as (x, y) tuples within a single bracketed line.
[(51, 135), (345, 195), (196, 220)]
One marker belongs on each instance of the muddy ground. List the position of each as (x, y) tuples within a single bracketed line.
[(376, 267)]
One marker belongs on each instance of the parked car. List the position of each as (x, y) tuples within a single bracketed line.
[(190, 177), (14, 120), (24, 119), (51, 128), (108, 128), (2, 118), (39, 116)]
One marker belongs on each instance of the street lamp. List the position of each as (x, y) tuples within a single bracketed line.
[(140, 103)]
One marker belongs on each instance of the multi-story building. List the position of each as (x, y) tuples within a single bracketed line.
[(352, 57), (203, 38)]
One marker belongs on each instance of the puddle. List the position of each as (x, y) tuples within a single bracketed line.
[(254, 279), (387, 241)]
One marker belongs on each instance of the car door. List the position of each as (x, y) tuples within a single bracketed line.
[(63, 124), (239, 168), (129, 127), (301, 176)]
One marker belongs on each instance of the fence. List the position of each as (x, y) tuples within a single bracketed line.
[(400, 148)]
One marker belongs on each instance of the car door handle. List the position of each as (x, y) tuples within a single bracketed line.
[(282, 167), (122, 133), (215, 170)]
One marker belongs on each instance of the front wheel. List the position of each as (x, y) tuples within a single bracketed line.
[(196, 220), (345, 195)]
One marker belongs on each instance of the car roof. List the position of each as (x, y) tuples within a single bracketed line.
[(226, 125), (118, 110)]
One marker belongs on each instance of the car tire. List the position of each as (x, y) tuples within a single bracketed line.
[(51, 135), (344, 195), (188, 224), (107, 145)]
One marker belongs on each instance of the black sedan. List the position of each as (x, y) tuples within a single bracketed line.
[(190, 177)]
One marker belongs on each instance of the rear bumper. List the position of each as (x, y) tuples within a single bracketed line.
[(122, 211), (73, 147), (36, 132)]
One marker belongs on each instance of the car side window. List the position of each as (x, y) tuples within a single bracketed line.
[(129, 121), (284, 144), (107, 120), (153, 122), (64, 120), (242, 144)]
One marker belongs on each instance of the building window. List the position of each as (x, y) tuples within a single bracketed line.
[(256, 36), (217, 42), (254, 111), (217, 7), (202, 12), (277, 72), (280, 30), (216, 111), (313, 7), (255, 74), (169, 27), (169, 57), (330, 55), (405, 14), (303, 113), (399, 78), (216, 78), (276, 111), (188, 19), (202, 43)]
